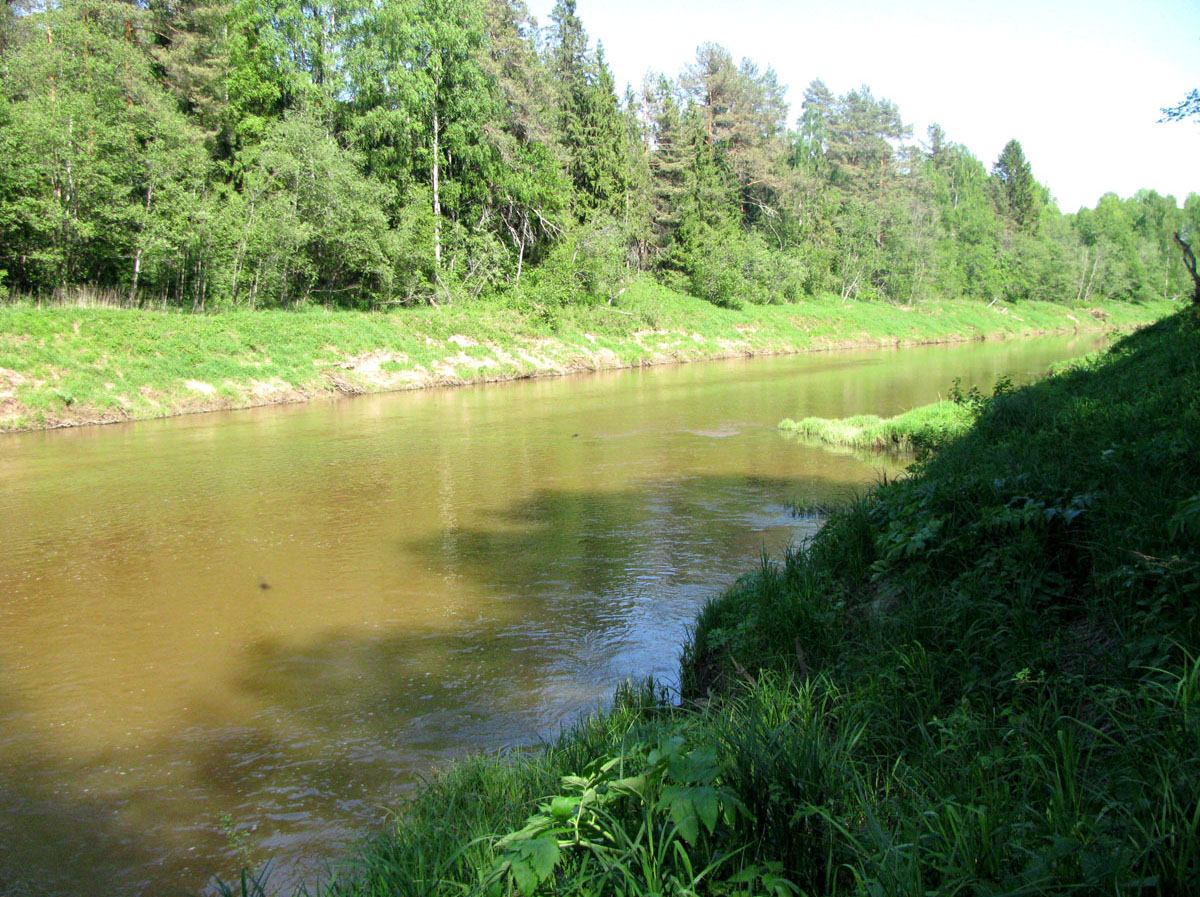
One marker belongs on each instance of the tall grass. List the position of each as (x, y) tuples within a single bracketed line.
[(83, 296)]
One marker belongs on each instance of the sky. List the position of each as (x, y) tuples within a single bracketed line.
[(1080, 85)]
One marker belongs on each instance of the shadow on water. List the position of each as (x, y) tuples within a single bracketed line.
[(567, 543), (561, 575), (579, 591), (82, 831), (563, 595)]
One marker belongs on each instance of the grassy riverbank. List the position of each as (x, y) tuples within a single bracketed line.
[(981, 678), (63, 366)]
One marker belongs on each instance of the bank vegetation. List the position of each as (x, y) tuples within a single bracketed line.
[(979, 678)]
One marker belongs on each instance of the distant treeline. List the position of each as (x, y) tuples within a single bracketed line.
[(360, 153)]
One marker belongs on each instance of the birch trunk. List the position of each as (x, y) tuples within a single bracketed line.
[(437, 201)]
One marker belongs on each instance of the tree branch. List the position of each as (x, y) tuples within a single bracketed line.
[(1189, 261)]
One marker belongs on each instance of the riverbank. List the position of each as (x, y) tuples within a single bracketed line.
[(70, 366), (979, 678)]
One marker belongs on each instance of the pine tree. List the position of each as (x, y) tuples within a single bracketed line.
[(1018, 195), (591, 127)]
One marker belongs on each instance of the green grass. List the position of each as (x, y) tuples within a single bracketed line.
[(981, 678), (914, 430), (68, 365)]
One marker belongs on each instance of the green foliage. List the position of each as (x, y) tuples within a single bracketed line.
[(587, 265), (310, 226), (144, 154), (592, 129), (636, 822), (99, 169)]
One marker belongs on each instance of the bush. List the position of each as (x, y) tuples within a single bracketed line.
[(587, 265)]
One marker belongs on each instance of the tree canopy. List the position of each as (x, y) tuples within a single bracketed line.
[(363, 153)]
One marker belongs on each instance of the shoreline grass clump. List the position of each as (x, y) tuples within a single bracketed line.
[(980, 678), (915, 430)]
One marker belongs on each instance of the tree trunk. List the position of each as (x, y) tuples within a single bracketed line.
[(521, 248), (137, 268), (137, 258), (1189, 261), (437, 200), (1087, 293)]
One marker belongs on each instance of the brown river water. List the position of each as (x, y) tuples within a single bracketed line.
[(243, 636)]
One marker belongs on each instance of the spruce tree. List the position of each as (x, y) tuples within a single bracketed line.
[(591, 127), (1018, 193)]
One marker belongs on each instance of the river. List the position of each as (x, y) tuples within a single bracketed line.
[(237, 637)]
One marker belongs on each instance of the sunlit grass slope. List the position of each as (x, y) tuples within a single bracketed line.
[(71, 365), (982, 678)]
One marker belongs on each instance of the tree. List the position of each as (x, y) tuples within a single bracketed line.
[(667, 158), (862, 134), (529, 187), (1189, 107), (590, 124), (263, 81), (1189, 260), (812, 141), (190, 47), (1017, 195), (743, 112), (421, 101), (310, 225), (98, 163)]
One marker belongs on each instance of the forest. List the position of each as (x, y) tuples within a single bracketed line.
[(210, 154)]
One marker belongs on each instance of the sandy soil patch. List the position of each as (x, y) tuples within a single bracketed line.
[(9, 381), (269, 389), (539, 362), (607, 358), (369, 365), (200, 386), (448, 367), (734, 345)]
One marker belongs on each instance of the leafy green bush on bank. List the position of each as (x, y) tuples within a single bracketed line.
[(981, 678)]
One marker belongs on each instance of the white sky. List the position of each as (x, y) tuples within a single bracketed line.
[(1080, 84)]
